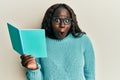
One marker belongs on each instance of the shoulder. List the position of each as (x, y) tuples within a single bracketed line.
[(86, 41), (84, 38)]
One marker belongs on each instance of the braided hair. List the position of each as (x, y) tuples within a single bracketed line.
[(46, 23)]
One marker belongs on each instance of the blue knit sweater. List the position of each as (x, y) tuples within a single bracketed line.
[(68, 59)]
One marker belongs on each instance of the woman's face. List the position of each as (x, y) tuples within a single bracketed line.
[(61, 23)]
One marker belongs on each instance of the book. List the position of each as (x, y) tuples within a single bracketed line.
[(28, 41)]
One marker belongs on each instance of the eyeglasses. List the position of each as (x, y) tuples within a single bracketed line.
[(58, 20)]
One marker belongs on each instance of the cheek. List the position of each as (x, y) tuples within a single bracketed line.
[(68, 27), (54, 27)]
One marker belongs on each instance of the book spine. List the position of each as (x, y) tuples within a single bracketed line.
[(21, 44)]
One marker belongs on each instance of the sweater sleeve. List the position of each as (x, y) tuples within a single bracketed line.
[(89, 67), (35, 74)]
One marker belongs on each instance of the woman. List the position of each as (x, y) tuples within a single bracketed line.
[(70, 52)]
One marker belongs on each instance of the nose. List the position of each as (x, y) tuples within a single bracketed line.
[(62, 24)]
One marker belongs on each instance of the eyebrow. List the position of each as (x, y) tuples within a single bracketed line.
[(60, 17)]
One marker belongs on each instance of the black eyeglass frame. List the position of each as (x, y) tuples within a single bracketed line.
[(62, 19)]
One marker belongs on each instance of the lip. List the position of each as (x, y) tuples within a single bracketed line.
[(61, 34)]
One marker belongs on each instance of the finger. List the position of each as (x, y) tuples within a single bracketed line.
[(23, 56), (27, 61), (32, 65), (26, 57)]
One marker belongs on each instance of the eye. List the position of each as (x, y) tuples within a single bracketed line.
[(67, 20), (57, 20)]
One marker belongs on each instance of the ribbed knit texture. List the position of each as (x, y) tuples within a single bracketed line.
[(68, 59)]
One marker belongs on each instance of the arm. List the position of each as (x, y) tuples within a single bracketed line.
[(89, 67), (33, 66), (35, 74)]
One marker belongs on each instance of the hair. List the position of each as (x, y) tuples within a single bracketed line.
[(46, 23)]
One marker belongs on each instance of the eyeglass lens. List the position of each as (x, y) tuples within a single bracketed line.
[(57, 20)]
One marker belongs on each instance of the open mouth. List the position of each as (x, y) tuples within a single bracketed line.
[(61, 34)]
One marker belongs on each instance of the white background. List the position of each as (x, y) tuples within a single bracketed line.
[(100, 19)]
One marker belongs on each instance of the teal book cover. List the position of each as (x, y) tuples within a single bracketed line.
[(28, 41)]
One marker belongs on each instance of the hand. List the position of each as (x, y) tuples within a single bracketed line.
[(29, 62)]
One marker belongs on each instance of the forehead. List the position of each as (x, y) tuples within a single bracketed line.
[(61, 12)]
